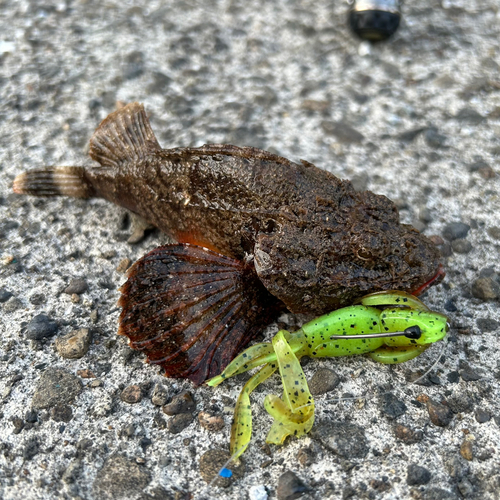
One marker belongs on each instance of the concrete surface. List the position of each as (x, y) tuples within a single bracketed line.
[(416, 119)]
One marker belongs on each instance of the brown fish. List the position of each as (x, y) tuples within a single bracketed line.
[(256, 233)]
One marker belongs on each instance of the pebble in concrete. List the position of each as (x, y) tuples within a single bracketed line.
[(131, 394), (77, 286), (56, 386), (40, 327), (290, 486), (323, 381), (212, 461), (74, 345), (211, 421), (417, 475), (120, 478)]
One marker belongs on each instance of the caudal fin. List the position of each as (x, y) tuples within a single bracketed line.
[(54, 181)]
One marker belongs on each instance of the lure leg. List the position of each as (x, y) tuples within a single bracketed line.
[(256, 355), (241, 430), (294, 414), (252, 357), (394, 355), (393, 298)]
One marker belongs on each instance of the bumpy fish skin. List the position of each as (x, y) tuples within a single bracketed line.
[(316, 244)]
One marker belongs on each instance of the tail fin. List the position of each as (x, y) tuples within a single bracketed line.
[(54, 181)]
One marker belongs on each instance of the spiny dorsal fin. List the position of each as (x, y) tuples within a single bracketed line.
[(123, 136)]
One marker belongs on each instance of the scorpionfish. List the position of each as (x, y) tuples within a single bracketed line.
[(256, 234)]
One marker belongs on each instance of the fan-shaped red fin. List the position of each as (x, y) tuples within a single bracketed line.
[(125, 135), (191, 310)]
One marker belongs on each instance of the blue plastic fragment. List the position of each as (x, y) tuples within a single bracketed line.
[(225, 472)]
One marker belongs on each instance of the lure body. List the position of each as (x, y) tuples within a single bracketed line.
[(257, 233), (379, 313)]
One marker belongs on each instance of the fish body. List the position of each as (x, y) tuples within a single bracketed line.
[(255, 230)]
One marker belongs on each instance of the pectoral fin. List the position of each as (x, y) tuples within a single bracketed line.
[(191, 310)]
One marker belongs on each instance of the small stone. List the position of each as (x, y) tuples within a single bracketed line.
[(470, 375), (120, 479), (18, 424), (31, 416), (128, 430), (77, 286), (439, 494), (342, 438), (74, 345), (494, 232), (461, 246), (5, 295), (433, 138), (290, 486), (179, 422), (306, 456), (40, 327), (212, 461), (408, 435), (483, 169), (439, 414), (417, 475), (131, 394), (31, 449), (482, 416), (134, 65), (455, 231), (61, 413), (56, 386), (450, 306), (85, 373), (342, 131), (445, 249), (466, 450), (485, 289), (144, 443), (487, 324), (13, 304), (160, 395), (182, 403), (460, 402), (75, 298), (392, 407), (123, 265), (453, 377), (93, 316), (323, 381), (160, 83), (436, 239), (466, 488), (211, 421), (425, 215), (469, 115), (96, 383)]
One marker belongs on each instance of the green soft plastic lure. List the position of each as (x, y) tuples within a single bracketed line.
[(392, 327)]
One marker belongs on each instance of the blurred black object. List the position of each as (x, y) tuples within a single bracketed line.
[(374, 20)]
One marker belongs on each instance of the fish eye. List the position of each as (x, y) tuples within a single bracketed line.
[(364, 254)]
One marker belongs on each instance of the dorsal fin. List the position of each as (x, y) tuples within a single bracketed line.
[(123, 136)]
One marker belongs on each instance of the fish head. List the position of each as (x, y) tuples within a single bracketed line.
[(322, 266)]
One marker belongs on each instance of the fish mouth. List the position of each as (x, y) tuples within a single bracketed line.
[(434, 280)]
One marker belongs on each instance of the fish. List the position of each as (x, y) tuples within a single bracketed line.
[(256, 235)]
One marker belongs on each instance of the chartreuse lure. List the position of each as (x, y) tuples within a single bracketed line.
[(392, 327)]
